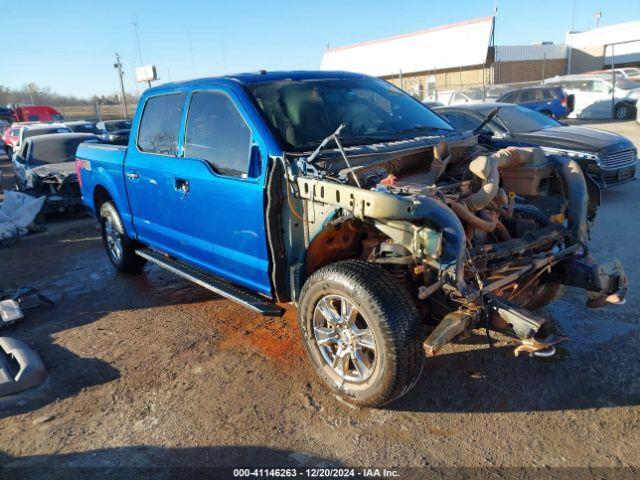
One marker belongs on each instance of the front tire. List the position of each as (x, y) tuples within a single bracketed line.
[(121, 250), (362, 332)]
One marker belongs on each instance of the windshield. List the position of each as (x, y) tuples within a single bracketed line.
[(120, 125), (626, 84), (632, 71), (523, 120), (304, 112), (474, 94)]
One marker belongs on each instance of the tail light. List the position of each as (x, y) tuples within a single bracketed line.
[(81, 165), (563, 101)]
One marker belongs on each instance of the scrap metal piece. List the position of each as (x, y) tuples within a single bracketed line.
[(540, 347), (20, 367), (10, 312), (450, 326)]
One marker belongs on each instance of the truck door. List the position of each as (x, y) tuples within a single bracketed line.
[(204, 205), (220, 191)]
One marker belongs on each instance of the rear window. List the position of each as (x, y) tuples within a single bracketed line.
[(43, 131), (59, 151), (160, 124)]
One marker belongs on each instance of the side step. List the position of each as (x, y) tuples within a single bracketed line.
[(222, 287)]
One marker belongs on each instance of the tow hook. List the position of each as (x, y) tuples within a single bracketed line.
[(523, 326), (544, 347)]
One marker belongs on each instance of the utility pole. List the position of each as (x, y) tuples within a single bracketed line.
[(598, 17), (118, 66)]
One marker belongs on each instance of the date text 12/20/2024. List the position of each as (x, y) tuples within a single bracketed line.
[(315, 473)]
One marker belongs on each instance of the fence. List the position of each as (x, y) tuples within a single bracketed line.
[(91, 112)]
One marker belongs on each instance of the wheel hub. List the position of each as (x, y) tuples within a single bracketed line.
[(344, 339)]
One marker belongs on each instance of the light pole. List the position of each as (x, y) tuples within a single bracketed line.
[(118, 67)]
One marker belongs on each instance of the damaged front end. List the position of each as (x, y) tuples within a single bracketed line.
[(478, 237), (58, 182)]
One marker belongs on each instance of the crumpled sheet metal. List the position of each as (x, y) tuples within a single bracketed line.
[(17, 212)]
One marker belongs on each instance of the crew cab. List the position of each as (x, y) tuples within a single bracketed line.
[(349, 200)]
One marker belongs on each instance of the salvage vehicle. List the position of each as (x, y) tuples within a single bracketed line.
[(45, 165), (606, 158), (114, 131), (10, 139), (29, 130), (348, 199)]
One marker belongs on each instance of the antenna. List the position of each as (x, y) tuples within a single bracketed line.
[(135, 28)]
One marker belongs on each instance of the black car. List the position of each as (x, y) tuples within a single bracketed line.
[(114, 131), (608, 158)]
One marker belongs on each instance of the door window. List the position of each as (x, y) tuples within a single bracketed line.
[(527, 96), (160, 124), (217, 133)]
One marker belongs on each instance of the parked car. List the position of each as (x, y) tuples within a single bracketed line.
[(608, 158), (632, 73), (10, 138), (45, 165), (82, 126), (551, 101), (242, 185), (36, 129), (433, 104), (37, 113), (593, 95), (114, 131), (7, 114), (455, 97)]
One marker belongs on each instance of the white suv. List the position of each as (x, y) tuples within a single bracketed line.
[(593, 95)]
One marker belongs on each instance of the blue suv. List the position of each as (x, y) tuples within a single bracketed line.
[(551, 101)]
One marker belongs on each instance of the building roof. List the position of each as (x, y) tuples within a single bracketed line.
[(449, 46)]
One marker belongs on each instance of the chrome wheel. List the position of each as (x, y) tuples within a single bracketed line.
[(113, 239), (344, 338)]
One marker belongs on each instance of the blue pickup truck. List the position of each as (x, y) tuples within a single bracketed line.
[(343, 197)]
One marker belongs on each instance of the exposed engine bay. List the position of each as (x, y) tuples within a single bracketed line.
[(478, 237)]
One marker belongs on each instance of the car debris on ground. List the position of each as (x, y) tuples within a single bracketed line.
[(18, 211)]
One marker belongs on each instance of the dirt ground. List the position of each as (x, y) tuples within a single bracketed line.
[(151, 371)]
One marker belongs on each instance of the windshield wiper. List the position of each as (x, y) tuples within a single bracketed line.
[(486, 120), (335, 136)]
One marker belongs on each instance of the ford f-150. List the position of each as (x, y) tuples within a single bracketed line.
[(389, 231)]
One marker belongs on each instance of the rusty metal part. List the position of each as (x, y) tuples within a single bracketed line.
[(336, 242), (451, 325)]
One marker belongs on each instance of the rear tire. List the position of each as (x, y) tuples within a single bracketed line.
[(542, 295), (121, 250), (623, 112), (362, 332)]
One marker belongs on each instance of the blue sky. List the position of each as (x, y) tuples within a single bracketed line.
[(68, 45)]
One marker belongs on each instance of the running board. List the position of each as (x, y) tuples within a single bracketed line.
[(222, 287)]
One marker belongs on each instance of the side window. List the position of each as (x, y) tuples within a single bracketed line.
[(527, 96), (546, 94), (510, 97), (217, 133), (160, 124)]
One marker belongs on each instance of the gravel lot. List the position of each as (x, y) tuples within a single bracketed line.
[(150, 370)]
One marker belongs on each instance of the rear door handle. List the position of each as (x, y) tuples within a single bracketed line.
[(182, 185), (132, 176)]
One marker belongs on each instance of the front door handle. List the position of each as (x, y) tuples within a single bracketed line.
[(132, 176), (182, 185)]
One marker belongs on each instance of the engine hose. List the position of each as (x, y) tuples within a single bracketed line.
[(469, 217), (486, 168)]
